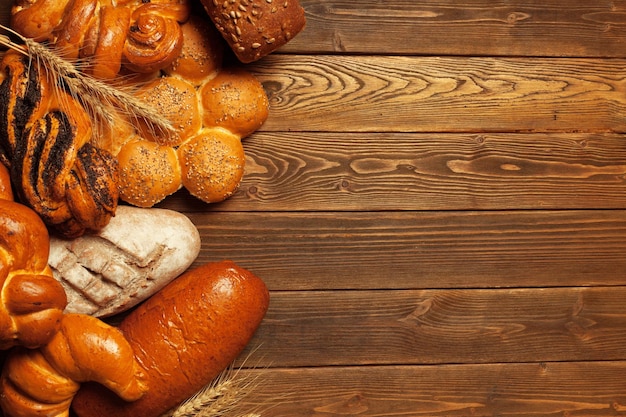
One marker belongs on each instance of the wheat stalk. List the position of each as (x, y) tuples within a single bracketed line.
[(220, 396), (96, 96)]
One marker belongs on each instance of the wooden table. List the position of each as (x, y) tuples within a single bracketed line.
[(438, 205)]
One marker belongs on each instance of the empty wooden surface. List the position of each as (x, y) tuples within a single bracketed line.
[(438, 205)]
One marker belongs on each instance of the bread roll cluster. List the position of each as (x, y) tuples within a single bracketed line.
[(212, 108)]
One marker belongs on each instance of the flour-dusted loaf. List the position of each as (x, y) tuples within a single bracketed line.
[(256, 28), (139, 252), (183, 337)]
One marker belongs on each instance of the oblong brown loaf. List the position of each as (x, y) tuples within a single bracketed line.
[(183, 337)]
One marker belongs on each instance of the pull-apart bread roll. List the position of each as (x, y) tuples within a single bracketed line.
[(183, 337), (45, 142), (212, 108), (134, 256), (256, 28), (32, 302), (43, 382)]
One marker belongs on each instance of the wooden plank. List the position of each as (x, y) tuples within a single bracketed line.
[(311, 328), (358, 172), (433, 94), (546, 389), (397, 250), (474, 27)]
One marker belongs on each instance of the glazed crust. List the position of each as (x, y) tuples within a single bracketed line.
[(183, 337)]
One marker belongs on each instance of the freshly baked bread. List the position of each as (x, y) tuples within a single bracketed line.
[(212, 113), (143, 36), (155, 38), (234, 100), (134, 256), (212, 164), (45, 140), (177, 100), (37, 19), (202, 52), (256, 28), (113, 29), (183, 337), (31, 300), (43, 382), (149, 172)]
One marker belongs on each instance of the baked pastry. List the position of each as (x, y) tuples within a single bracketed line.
[(134, 256), (212, 114), (45, 142), (235, 100), (183, 337), (38, 382), (143, 36), (256, 28), (32, 301)]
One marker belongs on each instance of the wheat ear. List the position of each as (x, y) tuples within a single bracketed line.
[(94, 95), (219, 397)]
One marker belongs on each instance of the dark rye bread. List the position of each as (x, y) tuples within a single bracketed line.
[(256, 28)]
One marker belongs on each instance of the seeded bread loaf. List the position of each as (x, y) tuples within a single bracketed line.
[(255, 28)]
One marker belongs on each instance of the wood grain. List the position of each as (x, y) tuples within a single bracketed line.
[(288, 171), (443, 94), (409, 250), (331, 328), (469, 28), (542, 389)]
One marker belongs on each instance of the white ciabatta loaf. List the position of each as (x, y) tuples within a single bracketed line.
[(139, 252)]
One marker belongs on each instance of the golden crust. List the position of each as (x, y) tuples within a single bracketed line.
[(202, 52), (234, 100), (176, 99), (149, 172), (212, 164)]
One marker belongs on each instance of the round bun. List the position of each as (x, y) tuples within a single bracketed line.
[(149, 172), (155, 38), (202, 51), (177, 100), (234, 100), (212, 164)]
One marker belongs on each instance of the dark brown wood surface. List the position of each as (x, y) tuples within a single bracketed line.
[(438, 205)]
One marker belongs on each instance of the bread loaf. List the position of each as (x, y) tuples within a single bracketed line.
[(134, 256), (256, 28), (183, 337)]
